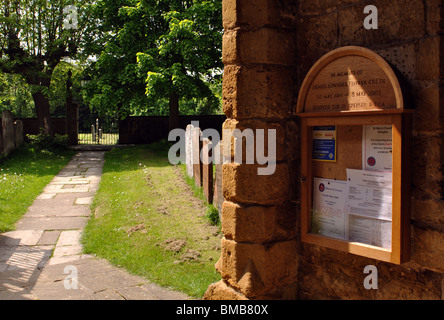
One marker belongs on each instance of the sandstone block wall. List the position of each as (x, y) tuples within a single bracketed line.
[(259, 249), (410, 38)]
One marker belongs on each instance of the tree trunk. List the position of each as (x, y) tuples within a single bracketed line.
[(42, 111), (174, 111)]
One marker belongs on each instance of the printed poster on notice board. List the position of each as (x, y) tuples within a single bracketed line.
[(324, 143), (377, 148), (369, 207), (328, 217)]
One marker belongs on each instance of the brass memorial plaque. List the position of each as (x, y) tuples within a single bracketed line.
[(349, 79)]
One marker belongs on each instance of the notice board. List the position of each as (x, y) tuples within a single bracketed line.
[(355, 140)]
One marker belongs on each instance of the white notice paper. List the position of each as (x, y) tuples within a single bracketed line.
[(370, 231), (369, 207), (328, 217), (377, 148)]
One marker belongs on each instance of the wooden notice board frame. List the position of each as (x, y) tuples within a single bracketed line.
[(331, 95)]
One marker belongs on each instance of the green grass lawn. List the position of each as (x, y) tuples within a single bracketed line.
[(23, 176), (148, 220)]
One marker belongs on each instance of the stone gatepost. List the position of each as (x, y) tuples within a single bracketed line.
[(259, 250), (8, 132)]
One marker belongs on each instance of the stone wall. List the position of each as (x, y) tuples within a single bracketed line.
[(268, 48), (410, 38), (259, 249), (11, 133)]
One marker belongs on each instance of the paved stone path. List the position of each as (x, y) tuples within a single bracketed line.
[(43, 258)]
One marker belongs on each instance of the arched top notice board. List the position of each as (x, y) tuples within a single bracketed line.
[(350, 79), (355, 152)]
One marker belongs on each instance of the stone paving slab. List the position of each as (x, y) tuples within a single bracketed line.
[(98, 280), (35, 260), (69, 238), (21, 238), (62, 251), (59, 189), (70, 182), (51, 223), (49, 237), (46, 196), (83, 200), (18, 264), (60, 199), (59, 211)]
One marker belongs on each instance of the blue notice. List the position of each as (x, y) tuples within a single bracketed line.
[(324, 143)]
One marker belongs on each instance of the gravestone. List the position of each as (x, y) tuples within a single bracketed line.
[(197, 164), (8, 132), (218, 191), (189, 150), (18, 133), (207, 170)]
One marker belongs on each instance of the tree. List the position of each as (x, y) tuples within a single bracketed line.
[(57, 90), (116, 88), (34, 39), (187, 56), (156, 52)]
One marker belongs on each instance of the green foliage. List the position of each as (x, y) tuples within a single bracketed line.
[(44, 141), (116, 87), (58, 92), (187, 58), (34, 40), (149, 49), (137, 53), (34, 34), (212, 215), (15, 96)]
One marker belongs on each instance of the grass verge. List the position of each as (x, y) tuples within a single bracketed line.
[(211, 214), (23, 176), (147, 220)]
